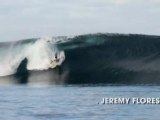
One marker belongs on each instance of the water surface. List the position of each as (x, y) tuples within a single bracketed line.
[(67, 102)]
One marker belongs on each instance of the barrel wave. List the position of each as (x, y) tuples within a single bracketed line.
[(86, 59)]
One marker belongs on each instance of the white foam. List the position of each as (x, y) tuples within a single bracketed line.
[(41, 55)]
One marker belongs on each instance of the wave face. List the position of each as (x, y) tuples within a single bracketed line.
[(92, 58), (41, 54), (113, 58)]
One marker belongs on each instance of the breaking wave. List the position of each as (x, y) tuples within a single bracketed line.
[(91, 58)]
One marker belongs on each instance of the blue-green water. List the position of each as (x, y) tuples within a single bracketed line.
[(78, 102)]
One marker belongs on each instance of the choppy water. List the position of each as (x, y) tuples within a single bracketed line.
[(67, 102)]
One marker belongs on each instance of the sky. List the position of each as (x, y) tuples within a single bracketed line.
[(22, 19)]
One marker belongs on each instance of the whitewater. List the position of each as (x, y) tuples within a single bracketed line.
[(41, 54)]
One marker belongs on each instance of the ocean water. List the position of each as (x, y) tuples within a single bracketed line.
[(43, 79), (76, 102)]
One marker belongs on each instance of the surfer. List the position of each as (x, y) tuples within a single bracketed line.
[(56, 58)]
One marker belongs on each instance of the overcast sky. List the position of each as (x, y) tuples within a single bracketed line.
[(20, 19)]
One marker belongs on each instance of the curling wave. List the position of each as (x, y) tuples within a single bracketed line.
[(112, 58), (91, 58)]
